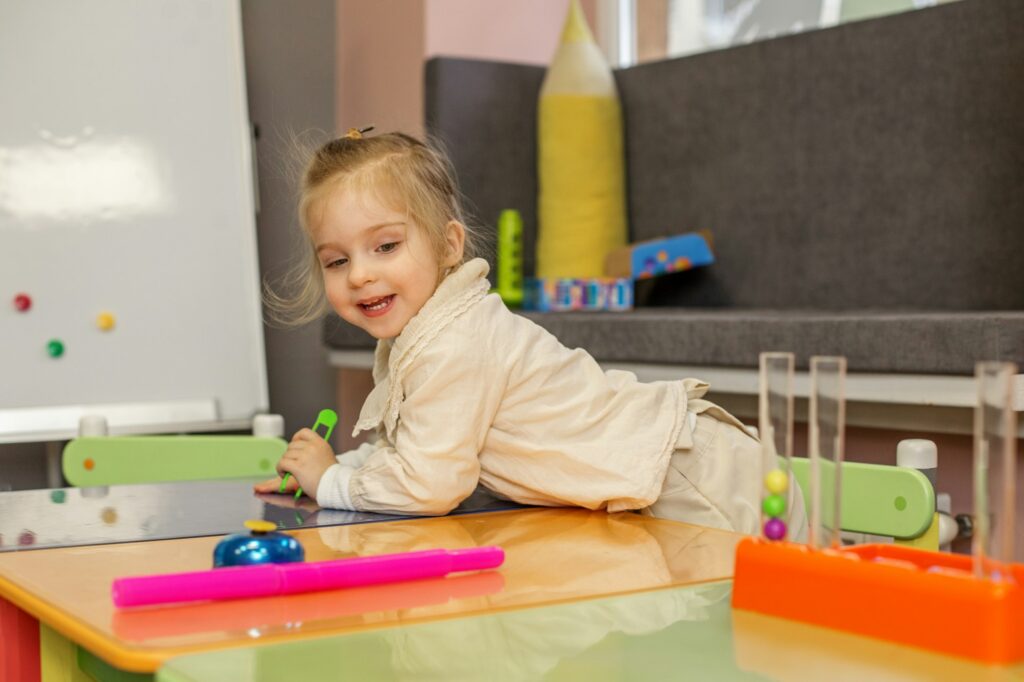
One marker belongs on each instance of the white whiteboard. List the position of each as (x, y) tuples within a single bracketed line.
[(126, 186)]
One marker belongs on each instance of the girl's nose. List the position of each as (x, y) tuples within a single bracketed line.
[(359, 274)]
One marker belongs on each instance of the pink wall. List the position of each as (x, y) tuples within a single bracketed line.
[(382, 45), (379, 76), (524, 31)]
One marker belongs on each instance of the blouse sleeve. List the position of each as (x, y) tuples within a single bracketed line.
[(356, 458), (451, 397)]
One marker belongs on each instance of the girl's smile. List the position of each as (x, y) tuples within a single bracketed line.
[(376, 307)]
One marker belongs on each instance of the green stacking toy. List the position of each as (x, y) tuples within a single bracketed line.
[(510, 258)]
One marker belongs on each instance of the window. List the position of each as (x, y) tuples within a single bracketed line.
[(637, 31)]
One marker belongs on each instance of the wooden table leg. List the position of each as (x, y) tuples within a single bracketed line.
[(19, 645)]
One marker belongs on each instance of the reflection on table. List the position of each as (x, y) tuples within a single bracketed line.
[(672, 634), (69, 517)]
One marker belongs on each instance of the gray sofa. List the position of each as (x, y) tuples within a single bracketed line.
[(864, 185)]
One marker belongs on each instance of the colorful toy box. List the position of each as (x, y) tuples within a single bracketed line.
[(565, 293), (616, 291), (660, 256)]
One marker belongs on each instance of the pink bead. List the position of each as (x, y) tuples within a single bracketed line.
[(774, 529)]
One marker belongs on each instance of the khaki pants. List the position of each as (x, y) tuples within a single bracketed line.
[(716, 479)]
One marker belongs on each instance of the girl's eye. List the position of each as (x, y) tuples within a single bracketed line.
[(336, 263), (388, 247)]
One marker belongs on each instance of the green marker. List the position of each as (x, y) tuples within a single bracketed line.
[(326, 419)]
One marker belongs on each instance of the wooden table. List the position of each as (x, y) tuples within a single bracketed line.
[(553, 556), (32, 520)]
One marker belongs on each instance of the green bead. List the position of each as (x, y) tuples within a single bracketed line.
[(55, 348), (57, 496), (774, 506)]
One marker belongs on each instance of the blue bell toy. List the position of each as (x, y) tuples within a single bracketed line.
[(262, 546)]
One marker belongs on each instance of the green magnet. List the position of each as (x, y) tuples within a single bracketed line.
[(55, 348)]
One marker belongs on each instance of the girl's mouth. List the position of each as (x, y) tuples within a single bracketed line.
[(378, 306)]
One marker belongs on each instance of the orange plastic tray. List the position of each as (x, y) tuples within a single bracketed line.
[(925, 599)]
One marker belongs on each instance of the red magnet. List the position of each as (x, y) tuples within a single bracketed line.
[(22, 302)]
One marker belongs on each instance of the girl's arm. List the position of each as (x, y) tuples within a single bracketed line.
[(451, 397), (356, 458)]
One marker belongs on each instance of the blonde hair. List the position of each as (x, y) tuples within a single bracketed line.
[(400, 172)]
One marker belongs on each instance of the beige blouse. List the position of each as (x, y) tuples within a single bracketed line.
[(470, 391)]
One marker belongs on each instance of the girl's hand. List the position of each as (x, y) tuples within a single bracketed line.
[(288, 502), (273, 485), (307, 458)]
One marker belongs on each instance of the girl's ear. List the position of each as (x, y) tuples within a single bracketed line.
[(455, 237)]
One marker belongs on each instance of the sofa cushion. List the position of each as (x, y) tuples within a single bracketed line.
[(872, 341)]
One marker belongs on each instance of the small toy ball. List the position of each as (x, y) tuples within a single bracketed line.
[(776, 481), (774, 529), (774, 506), (261, 546)]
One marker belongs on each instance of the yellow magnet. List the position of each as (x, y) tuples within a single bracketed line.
[(105, 321)]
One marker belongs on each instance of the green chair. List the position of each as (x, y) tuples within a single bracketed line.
[(95, 459), (882, 500)]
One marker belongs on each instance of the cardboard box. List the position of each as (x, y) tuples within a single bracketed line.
[(660, 256)]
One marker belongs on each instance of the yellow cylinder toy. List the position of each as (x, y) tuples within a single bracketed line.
[(581, 176)]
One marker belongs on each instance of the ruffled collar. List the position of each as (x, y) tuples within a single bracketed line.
[(456, 294)]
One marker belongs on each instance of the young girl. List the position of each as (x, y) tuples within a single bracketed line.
[(467, 392)]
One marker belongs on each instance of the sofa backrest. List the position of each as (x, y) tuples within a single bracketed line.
[(877, 164)]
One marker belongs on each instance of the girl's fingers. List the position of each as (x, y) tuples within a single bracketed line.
[(304, 435), (285, 465), (295, 449), (290, 460), (268, 486), (293, 455)]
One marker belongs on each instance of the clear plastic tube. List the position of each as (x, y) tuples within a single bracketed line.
[(995, 471), (826, 429), (775, 426)]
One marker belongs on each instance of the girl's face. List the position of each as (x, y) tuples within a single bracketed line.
[(378, 266)]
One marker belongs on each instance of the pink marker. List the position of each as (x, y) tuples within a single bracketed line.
[(241, 582)]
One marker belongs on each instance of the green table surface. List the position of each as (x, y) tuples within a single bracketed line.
[(669, 634)]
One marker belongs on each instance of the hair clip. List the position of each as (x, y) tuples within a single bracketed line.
[(357, 133)]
